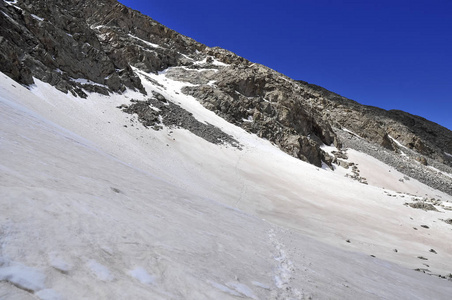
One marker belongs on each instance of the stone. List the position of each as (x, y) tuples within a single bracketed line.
[(423, 206), (156, 112), (448, 221), (422, 160)]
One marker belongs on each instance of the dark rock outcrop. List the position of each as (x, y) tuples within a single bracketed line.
[(85, 45), (50, 41)]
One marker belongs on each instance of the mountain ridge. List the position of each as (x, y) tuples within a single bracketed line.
[(430, 131), (93, 46), (191, 173)]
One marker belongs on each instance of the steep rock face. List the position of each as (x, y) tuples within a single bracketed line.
[(426, 137), (51, 41), (85, 45), (263, 102), (93, 46), (389, 129), (131, 38)]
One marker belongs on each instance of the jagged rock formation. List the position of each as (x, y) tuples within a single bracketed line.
[(392, 129), (51, 41), (266, 103), (85, 45), (93, 46)]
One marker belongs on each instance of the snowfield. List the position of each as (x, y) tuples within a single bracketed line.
[(96, 206)]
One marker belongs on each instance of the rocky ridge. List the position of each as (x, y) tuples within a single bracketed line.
[(92, 46), (50, 40), (395, 130), (433, 175), (263, 102)]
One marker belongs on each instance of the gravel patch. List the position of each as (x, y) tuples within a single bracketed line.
[(157, 111), (408, 165)]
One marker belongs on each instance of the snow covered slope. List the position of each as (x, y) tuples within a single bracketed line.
[(92, 209)]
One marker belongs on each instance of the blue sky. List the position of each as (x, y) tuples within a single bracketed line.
[(391, 54)]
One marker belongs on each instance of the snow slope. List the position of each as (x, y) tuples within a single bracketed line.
[(95, 210)]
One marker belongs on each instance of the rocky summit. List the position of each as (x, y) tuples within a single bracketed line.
[(98, 46)]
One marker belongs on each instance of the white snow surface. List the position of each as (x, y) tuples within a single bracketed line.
[(100, 271), (146, 42), (86, 81), (59, 263), (95, 208), (23, 277), (400, 146), (142, 275), (215, 62), (37, 18), (48, 294), (351, 132), (10, 1)]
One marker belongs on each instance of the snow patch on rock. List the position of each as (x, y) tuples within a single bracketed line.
[(37, 18)]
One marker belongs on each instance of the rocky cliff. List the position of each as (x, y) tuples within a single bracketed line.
[(86, 46), (395, 130), (91, 46)]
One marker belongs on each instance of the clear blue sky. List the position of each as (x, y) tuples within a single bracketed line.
[(391, 54)]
